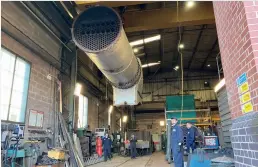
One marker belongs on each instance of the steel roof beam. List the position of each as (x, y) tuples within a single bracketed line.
[(196, 46), (210, 52), (167, 18), (83, 4)]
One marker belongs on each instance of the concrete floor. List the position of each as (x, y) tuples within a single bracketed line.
[(154, 160)]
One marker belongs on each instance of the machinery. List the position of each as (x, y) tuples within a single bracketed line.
[(144, 144), (211, 142), (32, 151), (14, 154), (116, 142), (87, 141), (100, 132), (164, 141), (202, 158), (98, 31)]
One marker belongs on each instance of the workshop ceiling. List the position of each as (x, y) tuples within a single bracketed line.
[(85, 4), (199, 53), (146, 19)]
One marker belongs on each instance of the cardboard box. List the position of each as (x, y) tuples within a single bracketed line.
[(55, 165), (56, 154)]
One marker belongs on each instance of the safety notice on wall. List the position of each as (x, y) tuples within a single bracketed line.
[(247, 107), (245, 97), (244, 93), (243, 88)]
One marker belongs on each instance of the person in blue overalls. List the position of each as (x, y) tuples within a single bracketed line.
[(190, 138), (107, 147), (133, 147), (177, 143)]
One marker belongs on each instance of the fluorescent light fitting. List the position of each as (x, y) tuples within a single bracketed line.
[(190, 4), (135, 50), (124, 118), (145, 40), (181, 46), (139, 42), (109, 114), (151, 39), (162, 123), (140, 55), (77, 90), (150, 64), (109, 118), (110, 109), (219, 85)]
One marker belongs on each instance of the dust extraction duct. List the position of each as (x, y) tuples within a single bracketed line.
[(98, 31)]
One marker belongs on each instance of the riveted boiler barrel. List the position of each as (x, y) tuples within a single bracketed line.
[(99, 32)]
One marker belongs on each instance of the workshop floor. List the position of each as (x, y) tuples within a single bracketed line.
[(155, 160)]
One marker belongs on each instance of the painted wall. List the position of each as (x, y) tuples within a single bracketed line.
[(41, 90), (145, 120), (157, 91)]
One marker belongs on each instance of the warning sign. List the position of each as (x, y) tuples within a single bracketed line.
[(244, 94), (245, 97), (242, 79), (244, 88), (248, 107)]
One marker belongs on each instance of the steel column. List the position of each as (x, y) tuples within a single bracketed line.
[(168, 154)]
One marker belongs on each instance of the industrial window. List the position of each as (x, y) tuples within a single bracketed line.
[(83, 112), (14, 74)]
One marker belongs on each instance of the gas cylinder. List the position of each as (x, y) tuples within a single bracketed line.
[(99, 146)]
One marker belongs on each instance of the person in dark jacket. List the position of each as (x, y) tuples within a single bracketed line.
[(107, 147), (190, 138), (133, 146), (177, 143)]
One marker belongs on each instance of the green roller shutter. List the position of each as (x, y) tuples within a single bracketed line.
[(174, 105)]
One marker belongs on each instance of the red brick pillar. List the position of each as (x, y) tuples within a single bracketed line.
[(237, 28)]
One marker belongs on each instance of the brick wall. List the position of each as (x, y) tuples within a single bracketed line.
[(17, 16), (145, 119), (95, 121), (237, 28), (40, 96), (103, 115), (162, 89), (93, 113), (244, 140)]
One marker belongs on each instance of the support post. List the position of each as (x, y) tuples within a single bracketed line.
[(71, 113), (168, 155)]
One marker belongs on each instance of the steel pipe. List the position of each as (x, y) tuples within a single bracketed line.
[(98, 31), (196, 110), (168, 153), (46, 26)]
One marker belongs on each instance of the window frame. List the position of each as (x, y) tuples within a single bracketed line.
[(26, 105), (84, 96)]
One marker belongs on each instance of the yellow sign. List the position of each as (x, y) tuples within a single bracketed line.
[(247, 107), (244, 88), (245, 97)]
